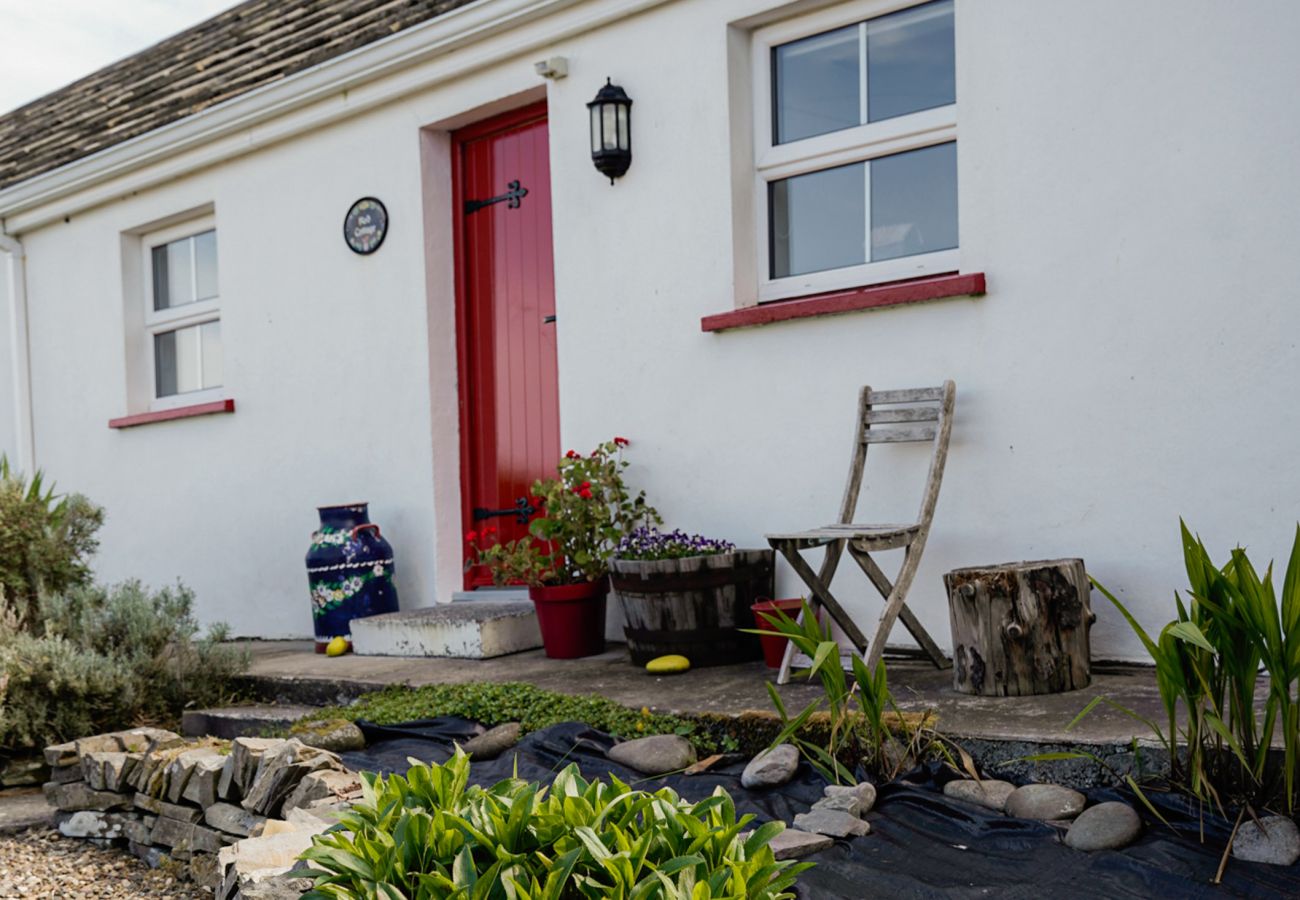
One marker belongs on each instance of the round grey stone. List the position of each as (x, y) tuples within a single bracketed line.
[(988, 793), (771, 767), (1106, 826), (1044, 801), (657, 754), (1274, 840)]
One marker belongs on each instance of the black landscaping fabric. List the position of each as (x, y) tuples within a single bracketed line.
[(922, 845)]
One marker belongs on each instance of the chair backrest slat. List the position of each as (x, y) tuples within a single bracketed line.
[(904, 414), (899, 435), (908, 395), (918, 414)]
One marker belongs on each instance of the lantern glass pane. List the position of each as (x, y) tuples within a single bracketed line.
[(609, 125), (624, 139), (595, 129)]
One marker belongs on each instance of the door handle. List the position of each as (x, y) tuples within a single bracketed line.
[(548, 320), (522, 510)]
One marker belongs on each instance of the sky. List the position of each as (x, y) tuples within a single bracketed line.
[(45, 44)]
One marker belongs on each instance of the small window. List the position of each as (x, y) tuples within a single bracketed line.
[(856, 148), (183, 316)]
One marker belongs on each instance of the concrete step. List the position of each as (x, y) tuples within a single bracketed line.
[(241, 721), (466, 629)]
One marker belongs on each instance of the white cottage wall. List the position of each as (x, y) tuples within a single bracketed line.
[(1125, 184)]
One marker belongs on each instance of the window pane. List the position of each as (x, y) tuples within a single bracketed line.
[(164, 363), (914, 202), (188, 359), (818, 221), (816, 85), (173, 277), (910, 61), (205, 261), (211, 341)]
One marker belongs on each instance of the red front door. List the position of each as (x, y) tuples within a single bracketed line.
[(509, 394)]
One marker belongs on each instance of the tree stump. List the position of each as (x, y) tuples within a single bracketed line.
[(1020, 628)]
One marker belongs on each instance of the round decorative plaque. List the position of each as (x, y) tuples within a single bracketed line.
[(365, 226)]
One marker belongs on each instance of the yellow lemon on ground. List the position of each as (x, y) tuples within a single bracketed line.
[(668, 665), (336, 647)]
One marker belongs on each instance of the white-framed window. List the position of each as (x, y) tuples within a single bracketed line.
[(182, 314), (855, 147)]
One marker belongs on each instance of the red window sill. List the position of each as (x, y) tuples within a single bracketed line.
[(934, 287), (180, 412)]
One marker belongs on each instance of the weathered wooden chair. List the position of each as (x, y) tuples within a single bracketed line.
[(884, 417)]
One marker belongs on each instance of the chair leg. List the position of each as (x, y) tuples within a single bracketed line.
[(893, 604), (909, 620), (823, 593), (822, 577)]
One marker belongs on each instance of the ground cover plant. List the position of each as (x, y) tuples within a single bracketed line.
[(532, 707), (431, 834), (855, 721), (107, 658), (1232, 625)]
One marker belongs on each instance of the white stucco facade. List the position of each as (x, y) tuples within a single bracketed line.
[(1126, 185)]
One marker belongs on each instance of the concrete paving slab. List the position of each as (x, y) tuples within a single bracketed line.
[(290, 669)]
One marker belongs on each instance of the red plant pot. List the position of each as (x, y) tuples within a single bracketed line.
[(774, 647), (572, 618)]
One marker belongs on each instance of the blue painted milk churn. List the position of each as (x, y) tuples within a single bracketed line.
[(349, 572)]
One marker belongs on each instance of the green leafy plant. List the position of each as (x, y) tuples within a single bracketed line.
[(496, 703), (864, 723), (586, 511), (107, 658), (46, 540), (1208, 661), (431, 835)]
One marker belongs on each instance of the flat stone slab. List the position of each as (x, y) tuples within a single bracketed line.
[(230, 722), (24, 808), (469, 629), (793, 843)]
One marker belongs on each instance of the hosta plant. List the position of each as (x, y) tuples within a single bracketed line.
[(432, 835)]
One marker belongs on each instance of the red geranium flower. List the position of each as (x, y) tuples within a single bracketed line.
[(489, 529), (621, 441), (584, 493), (572, 454), (471, 536)]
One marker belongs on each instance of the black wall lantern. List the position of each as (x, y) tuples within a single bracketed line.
[(611, 130)]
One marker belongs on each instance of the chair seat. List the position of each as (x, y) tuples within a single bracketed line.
[(867, 537)]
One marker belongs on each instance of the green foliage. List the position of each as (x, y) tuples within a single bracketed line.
[(45, 540), (586, 511), (108, 658), (1208, 662), (863, 734), (432, 835), (496, 703)]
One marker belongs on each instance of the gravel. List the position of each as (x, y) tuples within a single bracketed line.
[(43, 863)]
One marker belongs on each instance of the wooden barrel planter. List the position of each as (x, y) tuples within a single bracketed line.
[(1020, 628), (693, 606)]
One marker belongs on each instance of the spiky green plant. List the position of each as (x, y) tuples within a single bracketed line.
[(1208, 662), (432, 835), (862, 734)]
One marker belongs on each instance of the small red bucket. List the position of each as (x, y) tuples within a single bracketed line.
[(774, 647), (571, 618)]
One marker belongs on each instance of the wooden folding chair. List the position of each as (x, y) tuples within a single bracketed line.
[(918, 414)]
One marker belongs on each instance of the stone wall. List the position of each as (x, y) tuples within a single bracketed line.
[(236, 813)]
